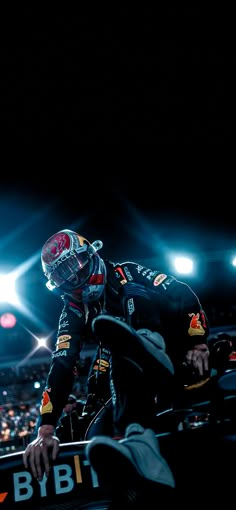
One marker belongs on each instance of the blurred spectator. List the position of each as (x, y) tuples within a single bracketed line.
[(20, 401)]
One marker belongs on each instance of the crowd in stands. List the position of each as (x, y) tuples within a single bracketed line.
[(20, 398)]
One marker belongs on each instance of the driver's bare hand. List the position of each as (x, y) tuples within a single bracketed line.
[(36, 455), (198, 358)]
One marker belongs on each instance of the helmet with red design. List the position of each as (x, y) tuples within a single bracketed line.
[(72, 266)]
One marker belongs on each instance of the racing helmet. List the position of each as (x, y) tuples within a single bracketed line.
[(72, 266)]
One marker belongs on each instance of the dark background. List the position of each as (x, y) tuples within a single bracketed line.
[(118, 122), (117, 75)]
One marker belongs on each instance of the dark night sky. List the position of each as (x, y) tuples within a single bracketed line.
[(117, 75), (82, 92)]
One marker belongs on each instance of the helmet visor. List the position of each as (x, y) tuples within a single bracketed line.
[(74, 271)]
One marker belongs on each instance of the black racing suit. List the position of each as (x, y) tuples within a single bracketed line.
[(145, 298)]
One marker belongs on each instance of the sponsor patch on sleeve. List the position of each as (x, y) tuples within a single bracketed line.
[(62, 342), (159, 279), (63, 338), (46, 404), (62, 345), (195, 327)]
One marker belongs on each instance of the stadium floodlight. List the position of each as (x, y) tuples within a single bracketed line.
[(183, 265), (7, 289)]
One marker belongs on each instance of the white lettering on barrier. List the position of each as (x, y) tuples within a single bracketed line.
[(63, 481), (22, 486), (59, 478)]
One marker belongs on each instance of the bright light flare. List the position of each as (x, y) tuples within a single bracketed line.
[(183, 265), (42, 342), (7, 289)]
